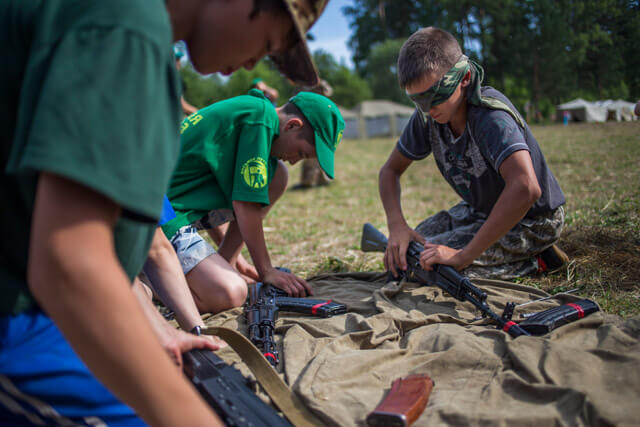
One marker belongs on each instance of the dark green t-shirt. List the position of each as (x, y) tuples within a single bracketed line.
[(89, 91), (224, 156)]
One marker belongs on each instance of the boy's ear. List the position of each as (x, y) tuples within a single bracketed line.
[(293, 123), (466, 79)]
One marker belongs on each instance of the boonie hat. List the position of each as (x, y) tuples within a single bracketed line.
[(327, 122), (296, 63)]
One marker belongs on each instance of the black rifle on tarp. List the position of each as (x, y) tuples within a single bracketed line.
[(443, 276), (261, 309), (227, 391)]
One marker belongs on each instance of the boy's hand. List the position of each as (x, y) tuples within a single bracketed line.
[(396, 253), (246, 270), (176, 342), (290, 283), (440, 254)]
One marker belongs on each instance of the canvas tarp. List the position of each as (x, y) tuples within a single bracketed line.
[(584, 373)]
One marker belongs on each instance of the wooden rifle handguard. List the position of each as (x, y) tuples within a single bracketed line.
[(405, 402)]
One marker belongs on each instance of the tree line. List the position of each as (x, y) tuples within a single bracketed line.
[(538, 52)]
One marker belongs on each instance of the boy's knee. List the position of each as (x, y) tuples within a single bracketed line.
[(233, 291)]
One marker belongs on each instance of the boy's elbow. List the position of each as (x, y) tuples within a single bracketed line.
[(532, 191), (47, 272), (537, 193), (384, 173)]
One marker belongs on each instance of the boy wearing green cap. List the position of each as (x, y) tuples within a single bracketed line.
[(511, 211), (231, 170)]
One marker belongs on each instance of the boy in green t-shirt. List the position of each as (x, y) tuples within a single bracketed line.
[(231, 170), (82, 179)]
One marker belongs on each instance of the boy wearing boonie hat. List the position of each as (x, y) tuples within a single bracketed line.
[(81, 186), (511, 211), (231, 170)]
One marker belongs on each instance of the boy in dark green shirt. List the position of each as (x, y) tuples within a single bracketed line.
[(229, 171), (89, 103)]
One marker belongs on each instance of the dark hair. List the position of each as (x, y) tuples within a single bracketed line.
[(428, 50), (276, 7), (290, 109)]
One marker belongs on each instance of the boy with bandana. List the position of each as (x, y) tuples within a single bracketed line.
[(231, 171), (511, 211), (82, 180)]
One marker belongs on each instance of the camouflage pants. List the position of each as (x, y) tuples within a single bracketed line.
[(514, 255)]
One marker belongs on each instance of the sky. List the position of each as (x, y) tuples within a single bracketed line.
[(331, 32)]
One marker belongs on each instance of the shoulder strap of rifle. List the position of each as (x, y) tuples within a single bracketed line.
[(289, 403)]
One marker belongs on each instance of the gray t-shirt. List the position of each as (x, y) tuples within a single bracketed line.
[(471, 163)]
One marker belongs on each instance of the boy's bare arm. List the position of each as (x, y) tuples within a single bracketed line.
[(75, 276), (520, 192), (174, 341), (249, 218), (400, 234)]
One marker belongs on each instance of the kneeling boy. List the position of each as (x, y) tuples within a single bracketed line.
[(511, 211), (231, 171)]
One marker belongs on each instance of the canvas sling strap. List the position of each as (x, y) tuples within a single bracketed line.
[(289, 403)]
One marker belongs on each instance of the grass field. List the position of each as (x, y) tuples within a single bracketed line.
[(597, 165)]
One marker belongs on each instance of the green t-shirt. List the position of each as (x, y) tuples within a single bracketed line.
[(88, 91), (224, 156)]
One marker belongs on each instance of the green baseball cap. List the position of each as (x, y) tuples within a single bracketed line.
[(327, 122)]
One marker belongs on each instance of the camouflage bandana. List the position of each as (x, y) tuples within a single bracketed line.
[(442, 89), (474, 95)]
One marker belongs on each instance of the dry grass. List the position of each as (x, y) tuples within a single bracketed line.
[(597, 165)]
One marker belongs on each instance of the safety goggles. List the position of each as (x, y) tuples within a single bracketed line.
[(442, 89)]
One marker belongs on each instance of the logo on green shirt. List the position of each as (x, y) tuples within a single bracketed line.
[(254, 172)]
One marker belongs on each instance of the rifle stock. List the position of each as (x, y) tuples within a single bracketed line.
[(404, 403)]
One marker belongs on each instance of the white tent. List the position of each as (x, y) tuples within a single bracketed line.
[(351, 123), (618, 110), (382, 118), (598, 111), (582, 111)]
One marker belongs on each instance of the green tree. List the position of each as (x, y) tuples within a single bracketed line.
[(374, 21), (549, 50), (349, 88), (381, 71), (200, 90)]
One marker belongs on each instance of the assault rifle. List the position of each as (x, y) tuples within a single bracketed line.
[(443, 276), (262, 307), (226, 391)]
